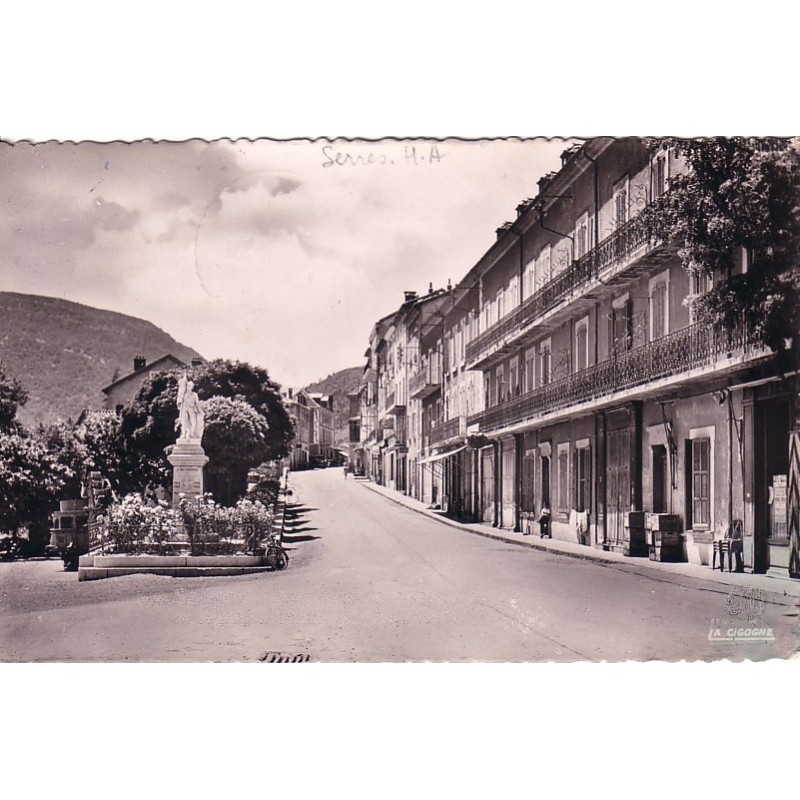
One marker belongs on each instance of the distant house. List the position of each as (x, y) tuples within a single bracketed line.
[(314, 431), (123, 390)]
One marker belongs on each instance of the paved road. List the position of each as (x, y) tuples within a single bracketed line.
[(370, 580)]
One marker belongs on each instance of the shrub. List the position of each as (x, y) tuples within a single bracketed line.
[(135, 526)]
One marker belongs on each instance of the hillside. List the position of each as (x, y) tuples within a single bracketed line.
[(63, 353), (339, 384)]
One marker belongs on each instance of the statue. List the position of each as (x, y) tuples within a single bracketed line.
[(190, 413)]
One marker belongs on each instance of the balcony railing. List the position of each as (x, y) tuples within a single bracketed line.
[(394, 403), (700, 345), (613, 250), (422, 384), (447, 430)]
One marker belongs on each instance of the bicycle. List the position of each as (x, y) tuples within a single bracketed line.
[(276, 556)]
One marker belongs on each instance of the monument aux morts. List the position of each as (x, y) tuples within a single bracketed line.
[(188, 457)]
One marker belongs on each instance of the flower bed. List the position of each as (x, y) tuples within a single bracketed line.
[(198, 527)]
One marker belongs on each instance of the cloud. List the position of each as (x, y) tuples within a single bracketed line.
[(256, 250)]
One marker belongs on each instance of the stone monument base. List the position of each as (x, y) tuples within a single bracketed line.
[(188, 459)]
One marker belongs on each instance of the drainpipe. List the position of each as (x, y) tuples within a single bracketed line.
[(498, 480), (518, 452), (558, 233), (730, 459)]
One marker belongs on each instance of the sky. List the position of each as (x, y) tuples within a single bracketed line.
[(282, 254)]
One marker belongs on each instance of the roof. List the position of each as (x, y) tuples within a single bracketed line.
[(147, 368)]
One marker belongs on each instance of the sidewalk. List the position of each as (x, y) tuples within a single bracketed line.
[(782, 591)]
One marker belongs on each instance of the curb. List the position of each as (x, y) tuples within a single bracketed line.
[(643, 570)]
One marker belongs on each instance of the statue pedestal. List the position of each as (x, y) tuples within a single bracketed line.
[(188, 459)]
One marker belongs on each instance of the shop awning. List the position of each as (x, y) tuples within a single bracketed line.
[(440, 456)]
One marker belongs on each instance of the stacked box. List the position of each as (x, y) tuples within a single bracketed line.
[(664, 522), (666, 546), (634, 540)]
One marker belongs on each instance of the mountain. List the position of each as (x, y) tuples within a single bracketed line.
[(339, 384), (64, 353)]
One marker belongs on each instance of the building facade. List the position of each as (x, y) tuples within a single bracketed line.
[(569, 370), (119, 393)]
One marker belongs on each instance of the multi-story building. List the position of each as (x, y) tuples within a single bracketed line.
[(450, 394), (570, 371), (396, 361), (324, 435), (604, 393), (314, 439)]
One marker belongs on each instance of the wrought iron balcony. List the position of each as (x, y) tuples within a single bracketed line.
[(447, 430), (393, 405), (612, 254), (422, 384), (698, 346)]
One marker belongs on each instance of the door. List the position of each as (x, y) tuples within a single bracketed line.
[(487, 484), (618, 483), (660, 472), (772, 470), (509, 477)]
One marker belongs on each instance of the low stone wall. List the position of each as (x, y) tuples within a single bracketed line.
[(96, 567)]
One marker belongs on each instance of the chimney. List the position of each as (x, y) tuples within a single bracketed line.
[(139, 362), (569, 154), (544, 180), (409, 296), (449, 285), (502, 229), (524, 206), (430, 288)]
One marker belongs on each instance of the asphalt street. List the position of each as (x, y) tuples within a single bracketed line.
[(372, 581)]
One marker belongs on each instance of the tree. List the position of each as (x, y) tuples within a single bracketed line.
[(738, 193), (93, 444), (31, 482), (238, 379), (236, 439), (12, 395), (148, 422)]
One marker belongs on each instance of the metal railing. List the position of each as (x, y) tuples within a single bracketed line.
[(419, 381), (699, 345), (613, 250), (447, 430)]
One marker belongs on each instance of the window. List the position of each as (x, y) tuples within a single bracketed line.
[(529, 278), (582, 242), (563, 478), (700, 283), (544, 362), (620, 198), (581, 360), (500, 305), (583, 476), (700, 478), (659, 306), (530, 369), (501, 386), (658, 176), (513, 377), (701, 473), (543, 267), (512, 293), (622, 323)]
